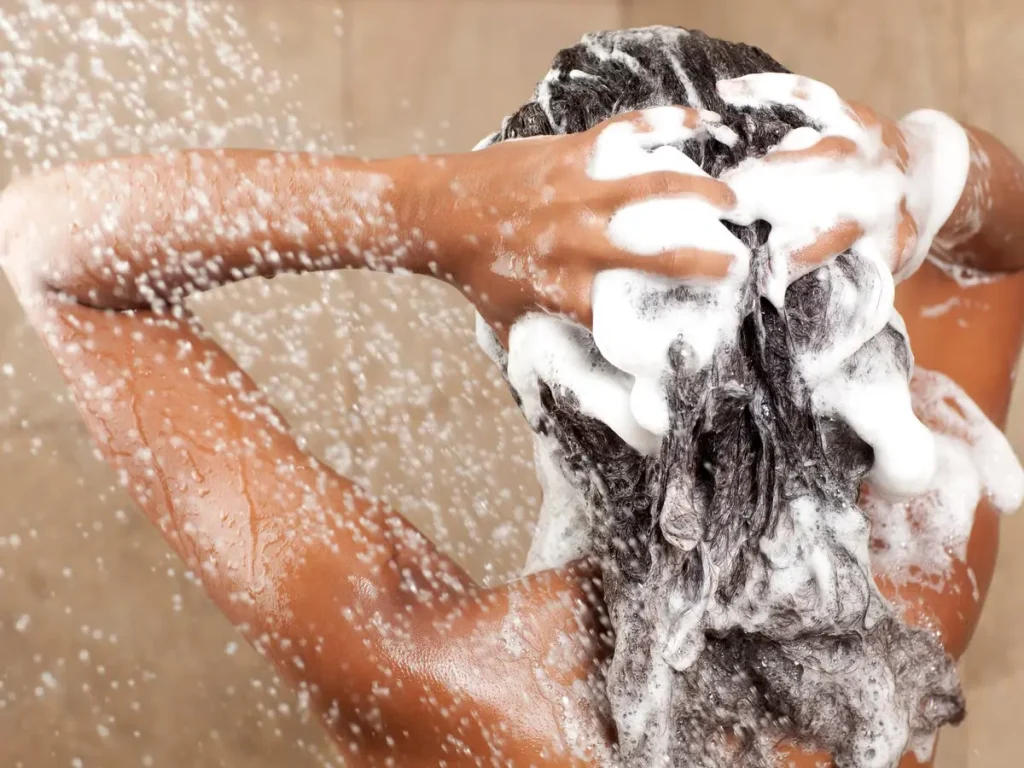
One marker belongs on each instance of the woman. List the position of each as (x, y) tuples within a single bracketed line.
[(409, 662)]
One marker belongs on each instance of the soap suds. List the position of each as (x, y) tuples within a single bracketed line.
[(940, 159), (629, 329), (870, 394), (921, 537), (544, 348), (563, 532), (950, 411), (864, 188), (940, 309), (963, 275), (917, 539)]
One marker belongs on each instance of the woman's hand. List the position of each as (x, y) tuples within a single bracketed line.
[(860, 181), (533, 220), (521, 226)]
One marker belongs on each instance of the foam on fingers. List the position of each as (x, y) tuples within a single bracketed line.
[(622, 147), (940, 159)]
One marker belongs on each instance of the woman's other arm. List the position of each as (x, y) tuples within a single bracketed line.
[(986, 230)]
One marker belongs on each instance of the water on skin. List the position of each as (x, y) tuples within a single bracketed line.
[(429, 426)]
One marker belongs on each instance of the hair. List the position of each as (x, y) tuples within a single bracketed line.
[(729, 636)]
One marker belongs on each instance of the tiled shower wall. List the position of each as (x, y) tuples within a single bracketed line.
[(145, 668)]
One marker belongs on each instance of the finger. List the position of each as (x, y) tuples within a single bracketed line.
[(865, 114), (570, 295), (892, 136), (818, 101), (682, 264), (654, 227), (658, 126), (828, 147), (662, 184), (640, 119), (830, 244)]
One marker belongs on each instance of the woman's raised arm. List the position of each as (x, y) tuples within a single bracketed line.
[(520, 226)]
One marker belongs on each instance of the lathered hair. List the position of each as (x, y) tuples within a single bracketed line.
[(735, 561)]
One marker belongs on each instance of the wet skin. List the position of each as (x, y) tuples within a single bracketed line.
[(405, 658)]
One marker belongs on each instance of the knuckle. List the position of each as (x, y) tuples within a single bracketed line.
[(660, 182)]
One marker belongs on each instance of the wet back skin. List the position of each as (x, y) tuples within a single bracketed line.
[(404, 657)]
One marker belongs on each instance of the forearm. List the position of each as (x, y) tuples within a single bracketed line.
[(137, 231), (986, 229)]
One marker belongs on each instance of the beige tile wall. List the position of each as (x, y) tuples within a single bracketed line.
[(141, 663)]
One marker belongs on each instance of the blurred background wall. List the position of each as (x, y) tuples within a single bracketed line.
[(109, 653)]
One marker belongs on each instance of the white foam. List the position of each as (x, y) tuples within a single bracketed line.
[(868, 188), (818, 101), (563, 531), (940, 158), (545, 348), (629, 333), (659, 225), (926, 532), (974, 461), (964, 276), (625, 149), (938, 310), (876, 405), (801, 208), (635, 326)]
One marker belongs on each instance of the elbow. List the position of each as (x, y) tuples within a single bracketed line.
[(34, 233), (38, 252), (29, 232)]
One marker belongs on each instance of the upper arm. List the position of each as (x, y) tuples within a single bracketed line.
[(972, 334), (985, 231)]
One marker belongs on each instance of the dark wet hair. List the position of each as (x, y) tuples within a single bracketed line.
[(681, 534)]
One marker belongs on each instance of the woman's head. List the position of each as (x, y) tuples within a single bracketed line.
[(735, 559)]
